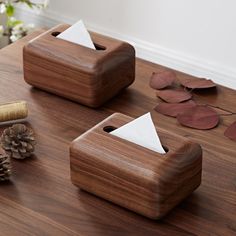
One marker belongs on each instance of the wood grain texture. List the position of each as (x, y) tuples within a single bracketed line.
[(90, 77), (132, 176), (42, 186)]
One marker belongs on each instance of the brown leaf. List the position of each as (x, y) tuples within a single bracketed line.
[(198, 83), (162, 79), (199, 117), (231, 131), (175, 108), (174, 96)]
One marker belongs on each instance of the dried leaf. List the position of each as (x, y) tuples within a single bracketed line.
[(231, 131), (162, 79), (198, 83), (174, 96), (199, 117), (175, 108)]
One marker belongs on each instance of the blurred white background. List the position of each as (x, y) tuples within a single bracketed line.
[(197, 37)]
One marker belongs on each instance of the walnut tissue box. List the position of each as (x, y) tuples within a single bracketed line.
[(132, 176), (90, 77)]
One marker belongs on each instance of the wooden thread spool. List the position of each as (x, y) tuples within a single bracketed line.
[(13, 111)]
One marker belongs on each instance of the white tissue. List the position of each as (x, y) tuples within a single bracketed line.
[(78, 34), (141, 131)]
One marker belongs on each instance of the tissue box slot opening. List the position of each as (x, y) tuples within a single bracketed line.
[(55, 34), (109, 129), (165, 148), (97, 46)]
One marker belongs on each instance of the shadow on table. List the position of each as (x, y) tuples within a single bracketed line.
[(117, 218)]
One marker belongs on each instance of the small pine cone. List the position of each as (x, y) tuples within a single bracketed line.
[(18, 141), (5, 167)]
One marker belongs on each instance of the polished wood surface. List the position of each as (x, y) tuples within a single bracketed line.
[(132, 176), (90, 77), (41, 200)]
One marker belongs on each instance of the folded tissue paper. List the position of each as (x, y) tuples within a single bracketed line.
[(78, 34), (141, 131)]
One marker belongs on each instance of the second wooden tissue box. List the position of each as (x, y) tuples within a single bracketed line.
[(90, 77), (132, 176)]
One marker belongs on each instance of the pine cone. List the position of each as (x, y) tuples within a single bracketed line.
[(5, 167), (18, 141)]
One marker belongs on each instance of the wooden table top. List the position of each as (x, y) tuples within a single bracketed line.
[(40, 198)]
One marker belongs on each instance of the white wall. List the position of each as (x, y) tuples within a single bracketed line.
[(197, 37)]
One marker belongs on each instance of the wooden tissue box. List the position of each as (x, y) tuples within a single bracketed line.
[(90, 77), (132, 176)]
